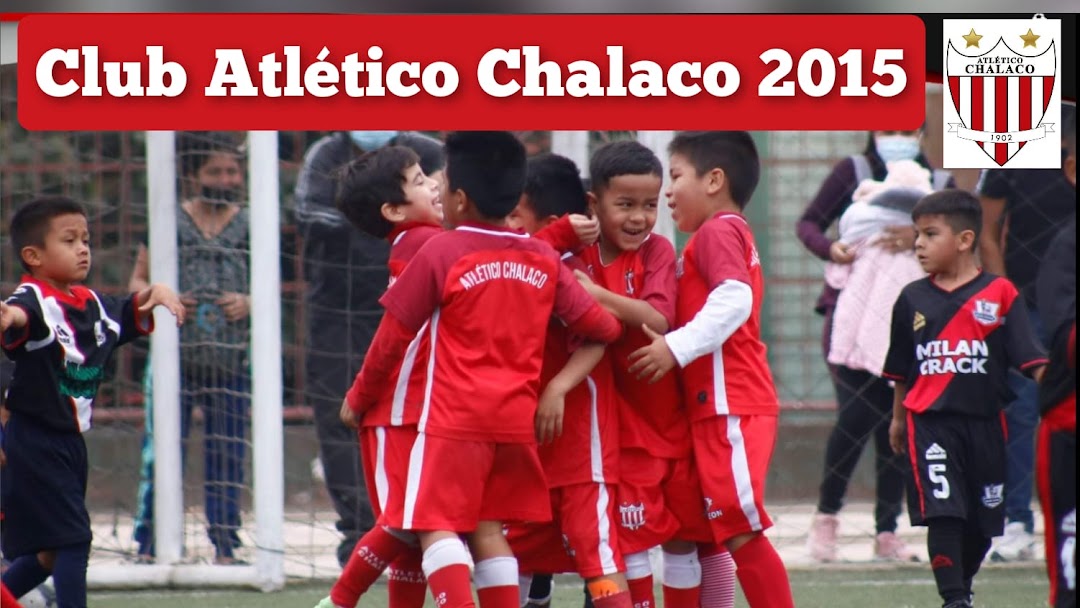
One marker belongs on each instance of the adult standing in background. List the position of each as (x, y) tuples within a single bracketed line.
[(212, 230), (864, 401), (1022, 211), (346, 275)]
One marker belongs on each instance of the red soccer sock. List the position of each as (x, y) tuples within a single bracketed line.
[(616, 600), (497, 582), (762, 575), (373, 552), (407, 586), (641, 592), (682, 598), (717, 577), (447, 573)]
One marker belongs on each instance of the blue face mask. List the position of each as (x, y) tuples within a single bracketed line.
[(372, 140), (897, 147)]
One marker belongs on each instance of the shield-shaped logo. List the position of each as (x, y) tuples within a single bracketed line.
[(986, 312), (1002, 93)]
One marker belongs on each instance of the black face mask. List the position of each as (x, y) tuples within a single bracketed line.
[(220, 196)]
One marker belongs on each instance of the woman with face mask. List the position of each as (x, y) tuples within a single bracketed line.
[(864, 401), (212, 228)]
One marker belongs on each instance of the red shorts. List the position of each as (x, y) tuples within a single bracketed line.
[(659, 499), (581, 538), (733, 454), (453, 484), (384, 454)]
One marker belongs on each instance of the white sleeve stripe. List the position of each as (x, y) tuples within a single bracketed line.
[(727, 308)]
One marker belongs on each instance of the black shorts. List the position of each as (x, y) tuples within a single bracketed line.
[(43, 488), (957, 469), (1057, 493)]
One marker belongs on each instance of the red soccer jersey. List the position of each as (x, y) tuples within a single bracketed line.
[(485, 291), (400, 403), (735, 379), (654, 418), (588, 449)]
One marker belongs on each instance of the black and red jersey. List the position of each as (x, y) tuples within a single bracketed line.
[(61, 353), (953, 349)]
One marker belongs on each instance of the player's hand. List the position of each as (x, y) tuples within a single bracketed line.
[(549, 415), (651, 362), (586, 281), (12, 316), (898, 436), (3, 458), (348, 417), (841, 253), (897, 239), (586, 228), (190, 304), (161, 295), (236, 306)]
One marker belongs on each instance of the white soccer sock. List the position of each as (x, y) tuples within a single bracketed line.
[(496, 572), (682, 570), (443, 553), (638, 565)]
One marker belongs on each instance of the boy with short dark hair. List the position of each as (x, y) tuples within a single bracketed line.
[(60, 335), (727, 385), (474, 463), (634, 274), (577, 424), (955, 334), (388, 195)]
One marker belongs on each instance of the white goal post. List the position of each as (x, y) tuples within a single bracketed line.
[(267, 573)]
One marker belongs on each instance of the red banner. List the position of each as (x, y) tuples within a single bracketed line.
[(439, 72)]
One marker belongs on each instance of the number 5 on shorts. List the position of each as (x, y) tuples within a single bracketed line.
[(936, 472)]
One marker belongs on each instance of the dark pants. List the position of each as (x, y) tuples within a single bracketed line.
[(864, 409), (333, 359), (225, 401), (1022, 416)]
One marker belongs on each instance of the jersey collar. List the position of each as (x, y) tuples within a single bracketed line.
[(77, 298)]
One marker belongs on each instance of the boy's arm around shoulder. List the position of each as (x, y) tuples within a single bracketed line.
[(655, 305), (549, 411)]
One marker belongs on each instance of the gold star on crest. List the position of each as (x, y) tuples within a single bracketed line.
[(972, 39), (1029, 39)]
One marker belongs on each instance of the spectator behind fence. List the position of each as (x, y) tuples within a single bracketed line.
[(864, 400), (1022, 211), (212, 231), (346, 275)]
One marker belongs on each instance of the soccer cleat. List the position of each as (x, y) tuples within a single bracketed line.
[(1016, 545), (821, 541), (888, 547), (964, 603)]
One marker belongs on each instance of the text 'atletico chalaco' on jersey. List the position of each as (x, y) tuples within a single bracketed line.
[(946, 357), (505, 270)]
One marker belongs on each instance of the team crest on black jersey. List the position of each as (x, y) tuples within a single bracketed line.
[(986, 312), (919, 322)]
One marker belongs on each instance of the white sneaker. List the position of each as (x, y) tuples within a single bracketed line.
[(1016, 545), (821, 541)]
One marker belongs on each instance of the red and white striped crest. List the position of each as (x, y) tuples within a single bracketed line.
[(1001, 97)]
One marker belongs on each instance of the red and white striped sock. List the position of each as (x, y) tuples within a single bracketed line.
[(717, 577)]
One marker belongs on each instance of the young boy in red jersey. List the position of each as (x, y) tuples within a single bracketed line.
[(634, 274), (389, 195), (727, 386), (61, 335), (474, 464), (955, 334), (577, 425)]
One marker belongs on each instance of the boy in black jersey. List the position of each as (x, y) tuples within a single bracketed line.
[(60, 336), (955, 334)]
